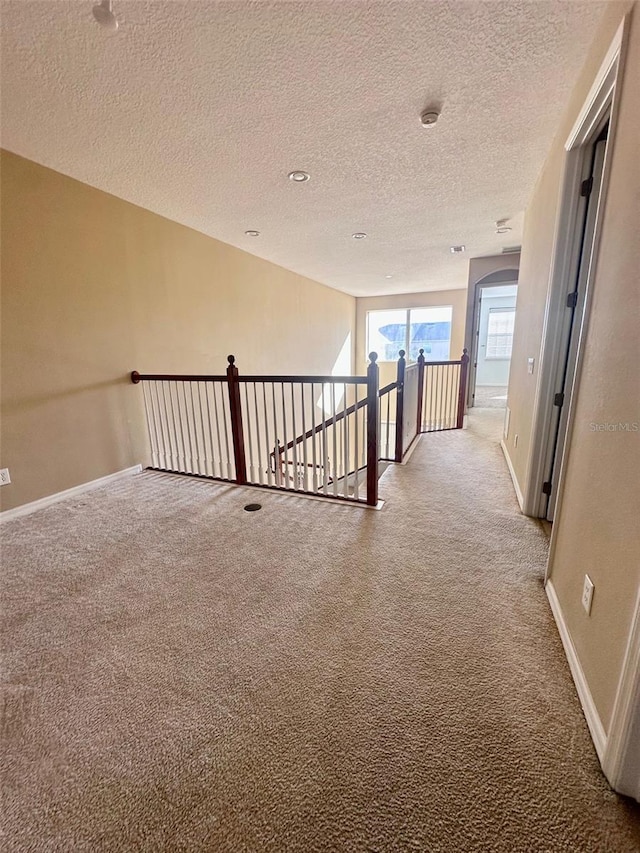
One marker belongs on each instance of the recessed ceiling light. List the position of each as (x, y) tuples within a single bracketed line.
[(359, 235), (252, 233), (299, 177), (388, 276), (455, 250)]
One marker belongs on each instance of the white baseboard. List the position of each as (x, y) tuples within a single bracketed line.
[(34, 506), (514, 479), (598, 734), (410, 451), (622, 766)]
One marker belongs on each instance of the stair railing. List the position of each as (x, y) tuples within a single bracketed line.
[(441, 393), (427, 396), (265, 430)]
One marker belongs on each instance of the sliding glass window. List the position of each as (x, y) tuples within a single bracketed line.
[(410, 329)]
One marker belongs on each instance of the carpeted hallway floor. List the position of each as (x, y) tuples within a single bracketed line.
[(181, 675), (490, 397)]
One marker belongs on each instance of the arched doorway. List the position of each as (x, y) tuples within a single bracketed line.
[(494, 306)]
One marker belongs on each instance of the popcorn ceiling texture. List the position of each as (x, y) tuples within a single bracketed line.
[(181, 675), (198, 110)]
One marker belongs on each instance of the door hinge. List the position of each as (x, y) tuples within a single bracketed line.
[(572, 299), (558, 400), (546, 488), (586, 187)]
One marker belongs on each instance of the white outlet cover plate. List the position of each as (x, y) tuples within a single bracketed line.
[(5, 478)]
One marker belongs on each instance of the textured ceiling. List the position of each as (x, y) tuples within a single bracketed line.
[(198, 110)]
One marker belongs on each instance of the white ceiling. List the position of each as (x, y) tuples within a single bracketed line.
[(198, 110)]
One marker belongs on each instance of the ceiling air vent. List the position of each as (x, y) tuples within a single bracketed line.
[(511, 250), (455, 250)]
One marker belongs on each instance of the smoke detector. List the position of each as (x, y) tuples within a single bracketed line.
[(429, 117), (103, 13)]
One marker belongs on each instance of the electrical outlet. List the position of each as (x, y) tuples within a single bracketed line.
[(587, 594), (5, 479), (530, 364)]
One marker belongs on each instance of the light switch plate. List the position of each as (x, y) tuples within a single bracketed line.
[(587, 594)]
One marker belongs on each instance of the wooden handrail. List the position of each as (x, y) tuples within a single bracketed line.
[(311, 380), (338, 417), (188, 377), (436, 363), (387, 388), (174, 377), (319, 427), (333, 419)]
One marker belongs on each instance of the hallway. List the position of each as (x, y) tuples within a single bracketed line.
[(184, 675)]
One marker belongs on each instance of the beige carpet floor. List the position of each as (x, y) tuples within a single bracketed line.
[(490, 397), (181, 675)]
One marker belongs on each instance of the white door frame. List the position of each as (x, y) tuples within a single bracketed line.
[(620, 753), (475, 332), (572, 325), (502, 277), (566, 255)]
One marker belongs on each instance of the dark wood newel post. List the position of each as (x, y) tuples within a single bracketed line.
[(235, 410), (420, 391), (372, 430), (400, 404), (464, 368)]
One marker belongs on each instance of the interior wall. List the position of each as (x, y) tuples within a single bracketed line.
[(596, 529), (94, 287), (455, 298)]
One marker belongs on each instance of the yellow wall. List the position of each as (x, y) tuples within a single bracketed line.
[(94, 287), (455, 298), (596, 530)]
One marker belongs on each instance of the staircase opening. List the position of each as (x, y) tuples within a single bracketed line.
[(329, 436)]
